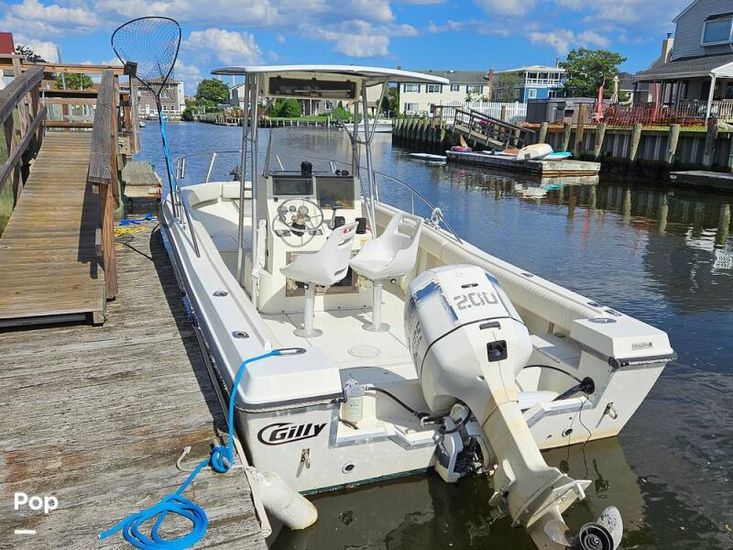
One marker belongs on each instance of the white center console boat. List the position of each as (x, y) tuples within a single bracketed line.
[(416, 350)]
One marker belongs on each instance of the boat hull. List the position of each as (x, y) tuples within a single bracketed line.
[(303, 439)]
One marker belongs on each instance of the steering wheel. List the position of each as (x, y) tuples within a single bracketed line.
[(301, 217)]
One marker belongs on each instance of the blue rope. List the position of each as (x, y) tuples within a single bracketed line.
[(221, 460)]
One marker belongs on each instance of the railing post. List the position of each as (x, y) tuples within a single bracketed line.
[(103, 172)]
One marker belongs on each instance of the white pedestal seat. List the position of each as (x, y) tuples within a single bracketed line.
[(392, 254), (326, 267)]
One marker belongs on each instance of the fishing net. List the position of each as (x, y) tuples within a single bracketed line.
[(148, 47)]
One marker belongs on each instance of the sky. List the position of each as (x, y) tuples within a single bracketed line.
[(413, 34)]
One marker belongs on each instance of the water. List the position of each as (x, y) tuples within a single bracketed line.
[(664, 256)]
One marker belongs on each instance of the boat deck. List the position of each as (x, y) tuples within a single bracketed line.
[(344, 340), (98, 416)]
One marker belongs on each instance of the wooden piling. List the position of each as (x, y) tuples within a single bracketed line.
[(709, 155), (672, 142), (580, 131), (543, 132), (567, 129), (635, 141), (599, 139)]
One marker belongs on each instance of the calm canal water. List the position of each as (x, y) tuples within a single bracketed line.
[(662, 255)]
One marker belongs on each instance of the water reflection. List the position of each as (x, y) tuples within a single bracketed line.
[(427, 513)]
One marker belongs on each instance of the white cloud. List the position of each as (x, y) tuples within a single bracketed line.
[(359, 44), (45, 48), (33, 19), (562, 40), (191, 75), (226, 46), (250, 12), (423, 2), (360, 38), (506, 7), (448, 26), (34, 10)]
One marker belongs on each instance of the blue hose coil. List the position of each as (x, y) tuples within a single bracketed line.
[(221, 460)]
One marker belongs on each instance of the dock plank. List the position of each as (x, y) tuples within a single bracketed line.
[(97, 416), (48, 263)]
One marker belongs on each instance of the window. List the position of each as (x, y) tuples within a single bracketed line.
[(455, 88), (433, 88), (717, 30), (412, 88), (532, 93), (474, 89), (411, 108)]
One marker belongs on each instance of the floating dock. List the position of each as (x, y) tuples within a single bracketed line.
[(721, 181), (539, 168), (98, 416)]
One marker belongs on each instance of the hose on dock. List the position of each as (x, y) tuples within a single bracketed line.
[(221, 460)]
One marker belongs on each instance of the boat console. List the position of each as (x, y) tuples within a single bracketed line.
[(302, 208)]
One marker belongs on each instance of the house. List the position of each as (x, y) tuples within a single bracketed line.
[(416, 99), (309, 107), (694, 73), (7, 48), (536, 82), (172, 101)]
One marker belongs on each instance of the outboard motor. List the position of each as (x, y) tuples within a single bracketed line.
[(469, 344)]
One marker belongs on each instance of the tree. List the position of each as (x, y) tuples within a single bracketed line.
[(340, 113), (187, 114), (505, 86), (74, 81), (391, 101), (586, 70), (29, 54), (285, 108), (211, 90)]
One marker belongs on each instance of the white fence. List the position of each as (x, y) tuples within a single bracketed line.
[(514, 113)]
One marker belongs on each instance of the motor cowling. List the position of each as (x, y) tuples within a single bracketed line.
[(458, 322)]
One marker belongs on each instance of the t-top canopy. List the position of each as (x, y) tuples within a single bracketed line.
[(372, 75)]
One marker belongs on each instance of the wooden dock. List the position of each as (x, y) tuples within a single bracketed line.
[(538, 168), (720, 181), (49, 268), (140, 181), (98, 416)]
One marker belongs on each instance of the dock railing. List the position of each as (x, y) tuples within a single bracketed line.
[(22, 116), (489, 131), (103, 172)]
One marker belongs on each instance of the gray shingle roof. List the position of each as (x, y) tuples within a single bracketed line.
[(683, 68)]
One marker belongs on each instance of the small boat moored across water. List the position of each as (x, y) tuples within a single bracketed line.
[(428, 157)]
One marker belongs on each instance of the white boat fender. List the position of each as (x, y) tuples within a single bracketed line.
[(285, 503)]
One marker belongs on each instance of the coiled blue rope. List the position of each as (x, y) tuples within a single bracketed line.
[(221, 459)]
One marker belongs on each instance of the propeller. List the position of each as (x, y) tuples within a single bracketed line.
[(603, 534)]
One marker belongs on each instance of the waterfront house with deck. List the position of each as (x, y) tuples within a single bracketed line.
[(417, 98), (537, 82), (172, 100), (694, 73)]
